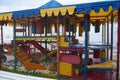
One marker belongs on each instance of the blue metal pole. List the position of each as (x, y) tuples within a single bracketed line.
[(111, 54), (86, 17), (15, 60)]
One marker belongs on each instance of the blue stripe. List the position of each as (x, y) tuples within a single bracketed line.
[(97, 5)]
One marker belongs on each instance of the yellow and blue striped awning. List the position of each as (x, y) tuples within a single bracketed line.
[(96, 10), (5, 16), (56, 11), (101, 15)]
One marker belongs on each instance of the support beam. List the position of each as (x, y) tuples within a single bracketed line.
[(107, 37), (46, 26), (15, 51), (111, 53), (86, 17), (28, 26), (102, 32), (58, 45), (2, 34), (118, 47)]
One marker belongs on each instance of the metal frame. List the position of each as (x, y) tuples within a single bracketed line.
[(86, 18), (111, 53), (15, 52)]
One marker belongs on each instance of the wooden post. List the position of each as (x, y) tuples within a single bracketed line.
[(58, 45)]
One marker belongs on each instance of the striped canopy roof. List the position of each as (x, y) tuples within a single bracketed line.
[(103, 8)]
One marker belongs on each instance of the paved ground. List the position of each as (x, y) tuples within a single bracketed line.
[(13, 76)]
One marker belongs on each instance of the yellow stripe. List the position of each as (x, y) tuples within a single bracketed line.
[(6, 16), (56, 11), (36, 39), (101, 14)]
